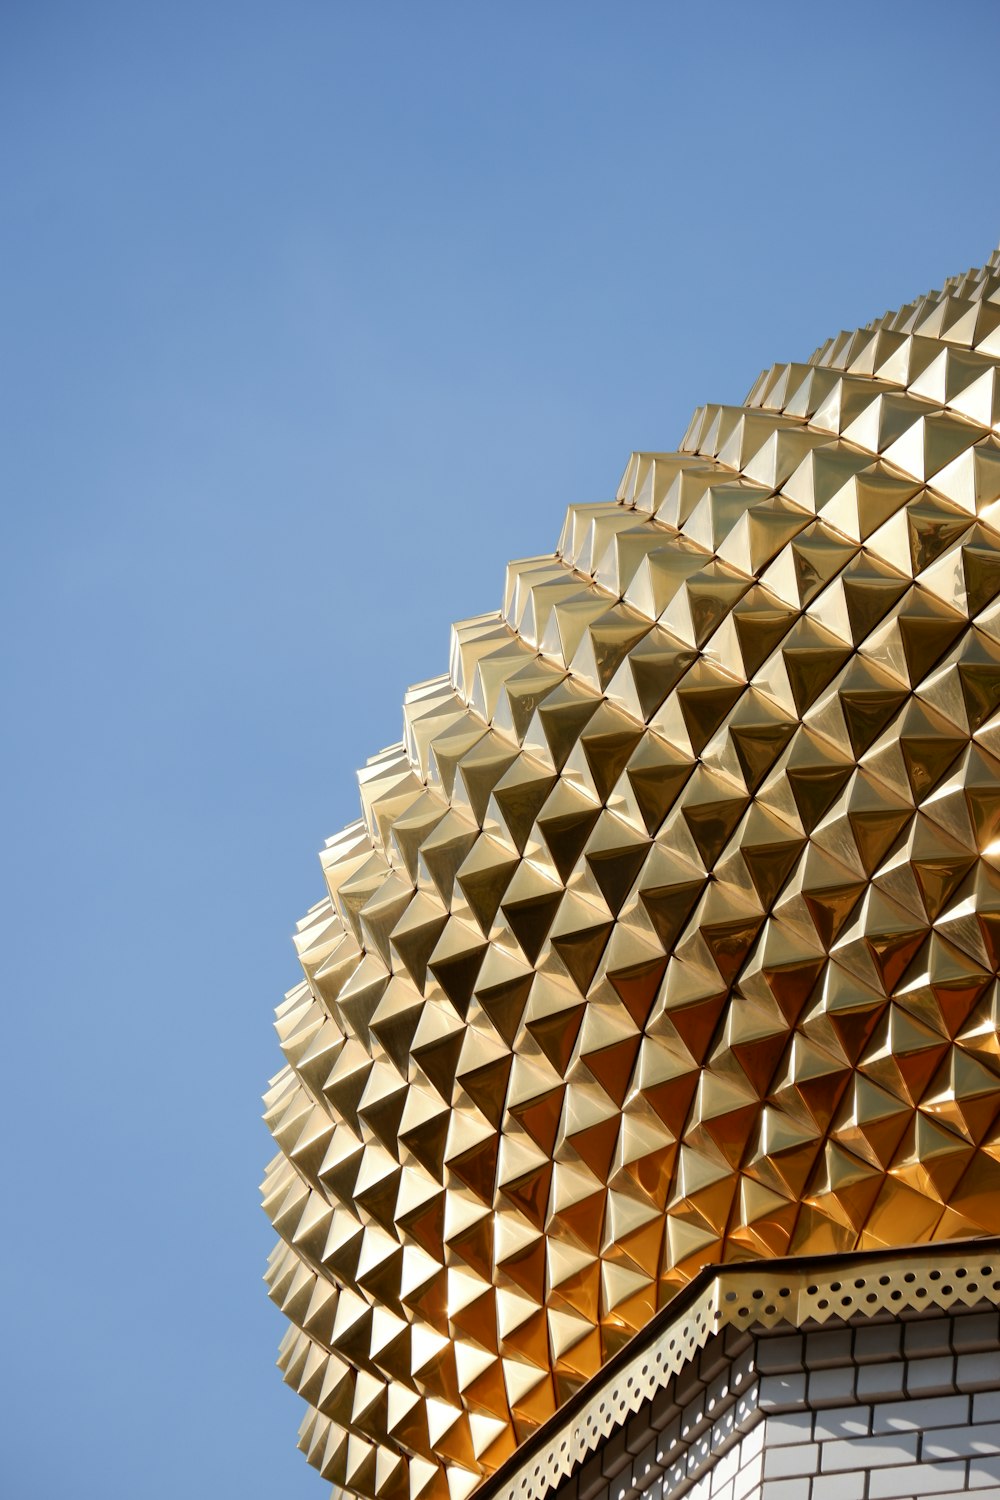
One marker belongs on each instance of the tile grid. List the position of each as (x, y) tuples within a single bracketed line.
[(896, 1410)]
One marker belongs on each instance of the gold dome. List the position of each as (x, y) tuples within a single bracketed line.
[(670, 932)]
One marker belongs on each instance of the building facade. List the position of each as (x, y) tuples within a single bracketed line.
[(857, 1377), (638, 1128)]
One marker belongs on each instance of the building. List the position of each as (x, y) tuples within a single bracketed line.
[(638, 1131)]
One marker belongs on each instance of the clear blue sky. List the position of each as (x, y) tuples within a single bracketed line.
[(312, 315)]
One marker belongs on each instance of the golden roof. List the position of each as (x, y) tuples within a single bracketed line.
[(670, 932)]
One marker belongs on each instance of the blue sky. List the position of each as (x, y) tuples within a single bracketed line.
[(312, 315)]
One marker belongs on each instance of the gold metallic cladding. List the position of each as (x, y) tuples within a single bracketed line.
[(670, 931)]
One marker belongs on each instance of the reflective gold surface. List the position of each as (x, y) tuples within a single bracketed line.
[(670, 932)]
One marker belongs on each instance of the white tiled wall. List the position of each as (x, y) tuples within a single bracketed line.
[(904, 1410)]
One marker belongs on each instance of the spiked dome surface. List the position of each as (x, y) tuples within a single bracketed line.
[(670, 931)]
